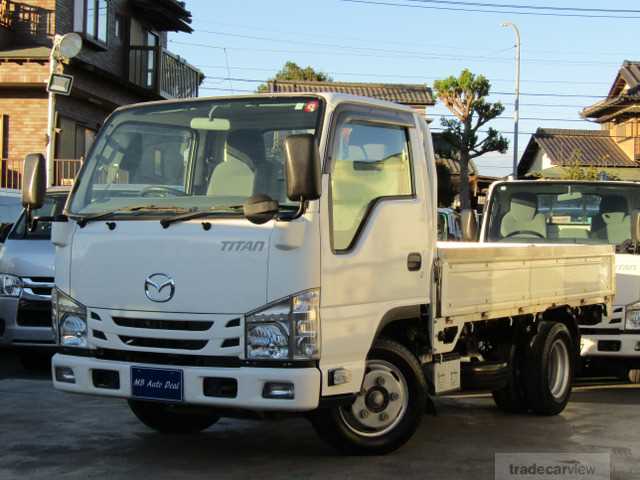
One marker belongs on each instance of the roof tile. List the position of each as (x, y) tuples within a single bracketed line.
[(406, 94)]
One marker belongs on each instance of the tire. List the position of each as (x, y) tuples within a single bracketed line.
[(549, 369), (393, 395), (634, 376), (512, 397), (169, 418)]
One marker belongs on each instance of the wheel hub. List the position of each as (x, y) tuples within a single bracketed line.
[(381, 403)]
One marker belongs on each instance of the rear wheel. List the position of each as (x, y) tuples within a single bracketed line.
[(386, 412), (512, 397), (168, 418), (549, 369)]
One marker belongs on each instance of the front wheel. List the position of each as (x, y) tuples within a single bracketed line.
[(169, 418), (387, 410), (634, 375), (549, 369)]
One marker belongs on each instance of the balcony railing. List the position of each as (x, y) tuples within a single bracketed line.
[(64, 172), (164, 73)]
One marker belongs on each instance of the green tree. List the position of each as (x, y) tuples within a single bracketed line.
[(292, 71), (575, 170), (465, 97)]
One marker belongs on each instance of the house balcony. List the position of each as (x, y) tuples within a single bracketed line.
[(162, 72)]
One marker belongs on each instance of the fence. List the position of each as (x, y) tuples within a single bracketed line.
[(64, 172)]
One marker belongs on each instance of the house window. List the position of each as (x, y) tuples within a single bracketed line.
[(91, 19)]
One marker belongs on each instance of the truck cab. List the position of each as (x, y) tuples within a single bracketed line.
[(580, 212), (278, 254)]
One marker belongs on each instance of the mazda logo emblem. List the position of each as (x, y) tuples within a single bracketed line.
[(159, 287)]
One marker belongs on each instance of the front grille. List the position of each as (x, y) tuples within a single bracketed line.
[(34, 314), (166, 358), (41, 286), (187, 325), (164, 343)]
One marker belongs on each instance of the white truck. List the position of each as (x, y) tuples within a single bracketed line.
[(570, 212), (277, 253)]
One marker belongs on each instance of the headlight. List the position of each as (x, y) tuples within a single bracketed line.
[(632, 316), (10, 285), (288, 329), (69, 320)]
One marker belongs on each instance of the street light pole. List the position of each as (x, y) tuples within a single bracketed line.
[(516, 111)]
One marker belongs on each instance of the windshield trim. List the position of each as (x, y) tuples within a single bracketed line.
[(322, 106)]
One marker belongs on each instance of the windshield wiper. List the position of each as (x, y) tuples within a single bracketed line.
[(195, 214), (82, 221)]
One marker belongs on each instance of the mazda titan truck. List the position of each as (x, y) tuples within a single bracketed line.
[(272, 254)]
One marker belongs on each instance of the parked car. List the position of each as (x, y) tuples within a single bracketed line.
[(26, 279), (10, 209)]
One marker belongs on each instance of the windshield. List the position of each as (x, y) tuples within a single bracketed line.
[(192, 156), (562, 213), (53, 205)]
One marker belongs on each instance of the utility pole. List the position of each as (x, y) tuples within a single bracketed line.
[(516, 111)]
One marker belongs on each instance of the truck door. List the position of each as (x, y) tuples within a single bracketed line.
[(376, 233)]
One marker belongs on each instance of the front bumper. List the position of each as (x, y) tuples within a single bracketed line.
[(12, 333), (251, 381), (622, 345)]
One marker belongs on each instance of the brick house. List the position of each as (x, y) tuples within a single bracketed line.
[(124, 60), (614, 150)]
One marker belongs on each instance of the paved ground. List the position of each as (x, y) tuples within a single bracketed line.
[(49, 435)]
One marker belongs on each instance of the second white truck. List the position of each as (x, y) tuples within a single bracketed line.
[(580, 212), (277, 253)]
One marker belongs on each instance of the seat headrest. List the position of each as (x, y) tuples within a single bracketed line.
[(614, 204), (247, 142), (523, 206)]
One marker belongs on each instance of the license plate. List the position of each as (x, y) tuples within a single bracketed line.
[(157, 384)]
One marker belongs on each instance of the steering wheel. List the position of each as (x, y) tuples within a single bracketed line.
[(162, 189), (524, 232)]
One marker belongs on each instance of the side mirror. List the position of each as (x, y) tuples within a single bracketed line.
[(469, 225), (34, 182), (302, 166), (5, 228), (260, 208), (635, 226)]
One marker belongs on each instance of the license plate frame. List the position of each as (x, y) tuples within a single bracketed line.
[(158, 384)]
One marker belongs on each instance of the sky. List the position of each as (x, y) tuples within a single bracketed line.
[(567, 64)]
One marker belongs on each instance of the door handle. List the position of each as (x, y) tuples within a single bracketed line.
[(414, 262)]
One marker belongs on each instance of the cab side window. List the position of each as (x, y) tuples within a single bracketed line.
[(370, 162)]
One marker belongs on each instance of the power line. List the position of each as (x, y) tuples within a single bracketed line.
[(392, 75), (418, 56), (527, 7), (476, 10), (387, 41), (532, 94)]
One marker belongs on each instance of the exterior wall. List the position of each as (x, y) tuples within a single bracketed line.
[(624, 134), (25, 127), (541, 162), (14, 73)]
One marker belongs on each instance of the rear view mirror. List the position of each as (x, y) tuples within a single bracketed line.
[(635, 226), (34, 183), (302, 166), (469, 225)]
